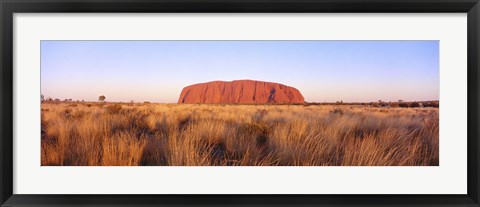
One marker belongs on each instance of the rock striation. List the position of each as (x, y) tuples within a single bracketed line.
[(240, 92)]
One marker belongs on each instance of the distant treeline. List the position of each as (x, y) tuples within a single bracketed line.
[(402, 104)]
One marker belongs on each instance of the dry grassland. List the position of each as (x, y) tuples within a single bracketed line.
[(113, 134)]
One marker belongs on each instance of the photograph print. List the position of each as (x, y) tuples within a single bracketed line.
[(239, 103)]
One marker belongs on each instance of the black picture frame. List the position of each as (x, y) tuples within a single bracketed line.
[(9, 7)]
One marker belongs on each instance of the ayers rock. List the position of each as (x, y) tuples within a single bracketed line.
[(240, 92)]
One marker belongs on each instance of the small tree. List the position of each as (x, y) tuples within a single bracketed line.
[(42, 97), (404, 104), (415, 104), (102, 98), (394, 104)]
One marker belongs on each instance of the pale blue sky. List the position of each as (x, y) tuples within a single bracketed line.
[(323, 71)]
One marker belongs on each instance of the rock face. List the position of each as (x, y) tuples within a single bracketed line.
[(240, 92)]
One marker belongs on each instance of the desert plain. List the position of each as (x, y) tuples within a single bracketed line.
[(149, 134)]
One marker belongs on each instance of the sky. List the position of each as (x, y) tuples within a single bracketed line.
[(323, 71)]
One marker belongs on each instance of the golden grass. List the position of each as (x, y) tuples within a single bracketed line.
[(94, 134)]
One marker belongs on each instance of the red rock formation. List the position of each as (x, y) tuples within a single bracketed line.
[(240, 92)]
